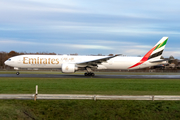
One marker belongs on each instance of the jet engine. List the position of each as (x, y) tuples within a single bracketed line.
[(69, 68)]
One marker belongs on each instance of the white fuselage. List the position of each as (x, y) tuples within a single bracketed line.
[(56, 61)]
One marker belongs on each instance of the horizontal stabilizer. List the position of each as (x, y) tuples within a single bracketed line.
[(161, 60)]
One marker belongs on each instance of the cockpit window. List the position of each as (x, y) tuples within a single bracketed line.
[(9, 59)]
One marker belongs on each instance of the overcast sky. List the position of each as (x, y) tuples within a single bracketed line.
[(130, 27)]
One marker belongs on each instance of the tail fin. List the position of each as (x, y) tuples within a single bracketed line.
[(155, 53), (158, 49)]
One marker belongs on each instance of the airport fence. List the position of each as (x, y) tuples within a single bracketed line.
[(37, 96)]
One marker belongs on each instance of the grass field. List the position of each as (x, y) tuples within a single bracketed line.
[(88, 109), (90, 86)]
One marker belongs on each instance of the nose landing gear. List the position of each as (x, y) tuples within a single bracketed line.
[(17, 73)]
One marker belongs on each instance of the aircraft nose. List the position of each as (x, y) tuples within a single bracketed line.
[(6, 62)]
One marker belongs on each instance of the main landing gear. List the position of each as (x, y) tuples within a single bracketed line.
[(17, 73), (89, 74)]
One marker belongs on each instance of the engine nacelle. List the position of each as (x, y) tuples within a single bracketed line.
[(69, 68)]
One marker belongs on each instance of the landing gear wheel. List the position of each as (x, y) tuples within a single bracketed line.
[(92, 74), (17, 73), (89, 74), (85, 74)]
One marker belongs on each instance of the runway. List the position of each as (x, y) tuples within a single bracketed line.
[(97, 76)]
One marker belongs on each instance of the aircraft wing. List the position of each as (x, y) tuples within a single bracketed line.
[(95, 62)]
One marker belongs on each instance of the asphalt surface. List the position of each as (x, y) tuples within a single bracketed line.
[(97, 76)]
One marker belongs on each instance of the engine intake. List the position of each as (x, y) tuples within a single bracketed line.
[(69, 68)]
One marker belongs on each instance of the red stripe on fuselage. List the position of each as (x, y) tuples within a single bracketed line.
[(144, 59)]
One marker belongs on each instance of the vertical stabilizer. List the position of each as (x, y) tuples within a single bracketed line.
[(159, 48), (155, 53)]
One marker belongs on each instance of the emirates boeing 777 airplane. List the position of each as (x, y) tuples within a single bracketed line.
[(70, 64)]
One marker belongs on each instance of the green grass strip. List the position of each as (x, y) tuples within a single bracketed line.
[(90, 86)]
